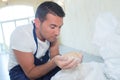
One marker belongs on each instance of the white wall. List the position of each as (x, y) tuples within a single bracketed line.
[(79, 22)]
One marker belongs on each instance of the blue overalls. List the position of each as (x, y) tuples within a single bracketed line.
[(16, 73)]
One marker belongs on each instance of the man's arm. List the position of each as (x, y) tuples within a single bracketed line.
[(54, 49), (64, 62), (26, 61)]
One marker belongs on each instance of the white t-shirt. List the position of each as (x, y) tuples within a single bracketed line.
[(22, 39)]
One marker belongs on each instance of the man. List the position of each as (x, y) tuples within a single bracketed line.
[(34, 47)]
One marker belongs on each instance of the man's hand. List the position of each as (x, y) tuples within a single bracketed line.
[(74, 54), (65, 62)]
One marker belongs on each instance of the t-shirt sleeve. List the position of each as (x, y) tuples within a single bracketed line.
[(20, 40)]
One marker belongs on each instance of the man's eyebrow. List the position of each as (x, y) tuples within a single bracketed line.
[(56, 25)]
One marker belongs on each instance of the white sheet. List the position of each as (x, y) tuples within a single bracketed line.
[(107, 38), (84, 71), (105, 24)]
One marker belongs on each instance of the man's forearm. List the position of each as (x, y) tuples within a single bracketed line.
[(54, 49), (39, 71)]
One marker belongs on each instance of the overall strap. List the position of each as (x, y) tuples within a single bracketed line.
[(35, 39), (44, 58)]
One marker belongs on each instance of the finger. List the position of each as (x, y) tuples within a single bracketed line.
[(74, 63), (61, 64), (78, 60), (60, 61), (81, 56), (61, 58)]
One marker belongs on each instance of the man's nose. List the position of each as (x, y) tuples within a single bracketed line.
[(57, 32)]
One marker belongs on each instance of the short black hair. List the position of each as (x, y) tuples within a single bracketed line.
[(48, 7)]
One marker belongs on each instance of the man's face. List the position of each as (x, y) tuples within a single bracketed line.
[(50, 28)]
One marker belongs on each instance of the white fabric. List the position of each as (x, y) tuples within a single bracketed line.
[(105, 24), (107, 38), (111, 55), (111, 48), (118, 29), (84, 71), (112, 69), (22, 40)]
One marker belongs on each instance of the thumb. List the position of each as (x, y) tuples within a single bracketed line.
[(61, 58)]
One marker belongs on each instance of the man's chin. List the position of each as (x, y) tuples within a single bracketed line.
[(52, 40)]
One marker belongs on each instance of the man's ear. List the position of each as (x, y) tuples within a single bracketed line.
[(37, 22)]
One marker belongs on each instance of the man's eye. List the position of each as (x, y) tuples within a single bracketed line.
[(52, 27)]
